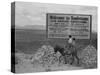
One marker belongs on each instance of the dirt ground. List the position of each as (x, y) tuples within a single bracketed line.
[(27, 67)]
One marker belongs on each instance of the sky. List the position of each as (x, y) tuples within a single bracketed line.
[(29, 13)]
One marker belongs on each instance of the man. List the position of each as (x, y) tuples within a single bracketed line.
[(71, 49)]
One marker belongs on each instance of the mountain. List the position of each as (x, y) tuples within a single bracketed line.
[(32, 27)]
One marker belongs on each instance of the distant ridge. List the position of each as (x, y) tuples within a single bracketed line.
[(32, 27), (38, 27)]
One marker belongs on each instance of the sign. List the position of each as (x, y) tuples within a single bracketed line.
[(63, 25)]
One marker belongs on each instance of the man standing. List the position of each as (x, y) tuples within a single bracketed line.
[(71, 49)]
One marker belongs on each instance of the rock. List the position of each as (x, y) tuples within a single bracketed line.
[(45, 56), (21, 58), (88, 57)]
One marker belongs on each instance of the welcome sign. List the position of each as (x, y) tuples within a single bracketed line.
[(63, 25)]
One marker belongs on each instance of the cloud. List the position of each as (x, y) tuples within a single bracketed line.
[(28, 13)]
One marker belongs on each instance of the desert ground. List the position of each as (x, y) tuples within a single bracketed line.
[(28, 42)]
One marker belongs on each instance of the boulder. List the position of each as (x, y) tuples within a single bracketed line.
[(46, 56), (88, 57)]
